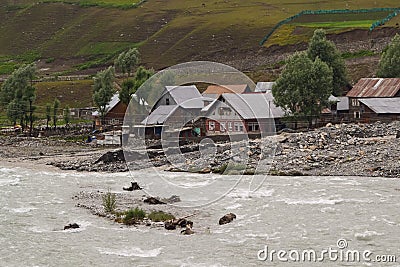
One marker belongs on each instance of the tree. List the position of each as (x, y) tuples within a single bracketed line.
[(326, 50), (56, 105), (304, 87), (67, 115), (130, 86), (389, 66), (126, 61), (17, 94), (30, 96), (103, 90), (48, 115)]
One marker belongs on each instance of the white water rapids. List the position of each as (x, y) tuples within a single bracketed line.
[(286, 213)]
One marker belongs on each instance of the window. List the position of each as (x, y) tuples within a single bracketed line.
[(355, 103), (223, 126), (253, 127), (230, 126), (114, 121), (167, 101), (224, 111), (211, 125), (237, 126), (357, 115)]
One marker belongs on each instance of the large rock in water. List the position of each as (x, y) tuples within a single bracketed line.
[(153, 201), (71, 226), (134, 186), (227, 218), (169, 225)]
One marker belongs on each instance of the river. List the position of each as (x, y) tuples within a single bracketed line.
[(286, 213)]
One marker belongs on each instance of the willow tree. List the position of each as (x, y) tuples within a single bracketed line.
[(18, 94), (127, 61), (130, 86), (304, 87), (56, 106), (103, 90), (327, 52), (389, 66)]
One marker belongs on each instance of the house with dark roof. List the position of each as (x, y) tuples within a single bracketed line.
[(115, 113), (215, 91), (251, 113), (374, 99)]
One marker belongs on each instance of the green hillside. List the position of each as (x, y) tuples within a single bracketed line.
[(81, 34)]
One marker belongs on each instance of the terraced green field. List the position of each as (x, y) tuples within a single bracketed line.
[(79, 35)]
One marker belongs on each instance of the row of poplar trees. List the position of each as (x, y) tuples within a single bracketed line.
[(17, 98)]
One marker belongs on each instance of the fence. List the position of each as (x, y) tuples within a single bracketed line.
[(395, 12)]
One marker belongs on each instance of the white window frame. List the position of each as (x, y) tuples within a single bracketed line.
[(253, 127), (236, 126), (355, 103), (222, 126), (211, 126)]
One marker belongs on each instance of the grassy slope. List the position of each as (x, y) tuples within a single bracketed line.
[(167, 32), (71, 93)]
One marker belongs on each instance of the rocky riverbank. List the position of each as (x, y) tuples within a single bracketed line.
[(342, 150)]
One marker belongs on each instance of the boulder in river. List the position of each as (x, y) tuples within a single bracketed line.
[(187, 231), (134, 186), (227, 218), (153, 201), (172, 199), (71, 226), (169, 225), (184, 223)]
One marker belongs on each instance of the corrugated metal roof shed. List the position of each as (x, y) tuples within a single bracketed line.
[(264, 86), (383, 105), (375, 87)]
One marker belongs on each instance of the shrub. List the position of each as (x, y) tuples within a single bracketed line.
[(50, 60), (221, 169), (133, 215), (109, 202), (160, 216)]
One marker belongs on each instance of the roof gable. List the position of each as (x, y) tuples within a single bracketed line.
[(113, 102), (226, 89), (254, 106), (160, 115), (182, 94), (375, 87)]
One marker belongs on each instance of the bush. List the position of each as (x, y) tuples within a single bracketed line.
[(221, 169), (50, 60), (109, 202), (160, 216), (133, 216)]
